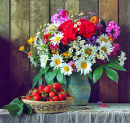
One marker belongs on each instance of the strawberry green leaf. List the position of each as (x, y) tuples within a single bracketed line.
[(97, 73), (27, 109), (112, 74)]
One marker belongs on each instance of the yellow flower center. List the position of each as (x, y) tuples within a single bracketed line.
[(104, 39), (104, 49), (57, 39), (84, 65), (42, 47), (88, 51), (66, 68), (57, 61)]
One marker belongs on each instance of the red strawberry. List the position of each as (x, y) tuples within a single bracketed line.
[(61, 96)]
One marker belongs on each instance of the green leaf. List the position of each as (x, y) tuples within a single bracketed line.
[(64, 79), (60, 77), (90, 75), (115, 65), (112, 74), (40, 81), (41, 72), (97, 73), (27, 109), (15, 110), (5, 107), (49, 75)]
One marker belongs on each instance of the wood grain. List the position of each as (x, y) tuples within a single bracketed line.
[(124, 41), (72, 6), (55, 5), (19, 63), (39, 15), (108, 89), (4, 53)]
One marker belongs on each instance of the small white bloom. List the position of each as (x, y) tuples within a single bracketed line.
[(79, 38), (77, 53), (78, 23), (103, 38), (70, 50), (84, 66), (75, 57), (56, 38), (75, 25), (43, 60), (122, 58), (66, 69), (56, 61)]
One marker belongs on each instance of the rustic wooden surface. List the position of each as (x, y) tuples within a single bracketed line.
[(4, 53), (39, 15), (108, 89), (124, 41), (19, 63), (20, 20)]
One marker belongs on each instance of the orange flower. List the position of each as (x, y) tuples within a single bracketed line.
[(94, 19), (110, 38), (21, 48), (30, 54)]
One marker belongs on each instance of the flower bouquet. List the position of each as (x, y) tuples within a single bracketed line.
[(75, 43)]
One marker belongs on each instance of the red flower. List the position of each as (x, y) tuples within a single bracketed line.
[(87, 29), (46, 37), (64, 41)]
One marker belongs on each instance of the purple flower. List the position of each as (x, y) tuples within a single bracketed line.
[(61, 17), (92, 13), (72, 64)]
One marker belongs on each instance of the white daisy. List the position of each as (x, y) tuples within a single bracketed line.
[(105, 49), (82, 58), (66, 69), (75, 25), (78, 23), (70, 50), (77, 48), (43, 60), (88, 49), (56, 38), (103, 38), (77, 53), (79, 38), (122, 58), (56, 61), (75, 57), (84, 66)]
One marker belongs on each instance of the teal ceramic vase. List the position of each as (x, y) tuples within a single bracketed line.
[(79, 87)]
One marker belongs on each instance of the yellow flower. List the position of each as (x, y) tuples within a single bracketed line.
[(21, 48), (31, 40), (94, 20)]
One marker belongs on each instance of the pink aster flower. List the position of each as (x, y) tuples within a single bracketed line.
[(72, 64), (115, 48), (113, 30), (61, 17), (53, 47)]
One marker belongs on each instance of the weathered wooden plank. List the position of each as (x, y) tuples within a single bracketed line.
[(124, 41), (55, 5), (72, 6), (19, 63), (4, 53), (39, 15), (108, 89), (91, 6)]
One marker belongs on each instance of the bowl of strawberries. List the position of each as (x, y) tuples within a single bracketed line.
[(48, 99)]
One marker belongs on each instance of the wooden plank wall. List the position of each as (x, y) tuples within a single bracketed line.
[(20, 20)]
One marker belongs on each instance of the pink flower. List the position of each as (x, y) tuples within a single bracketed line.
[(53, 47), (115, 48), (72, 64), (113, 30)]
